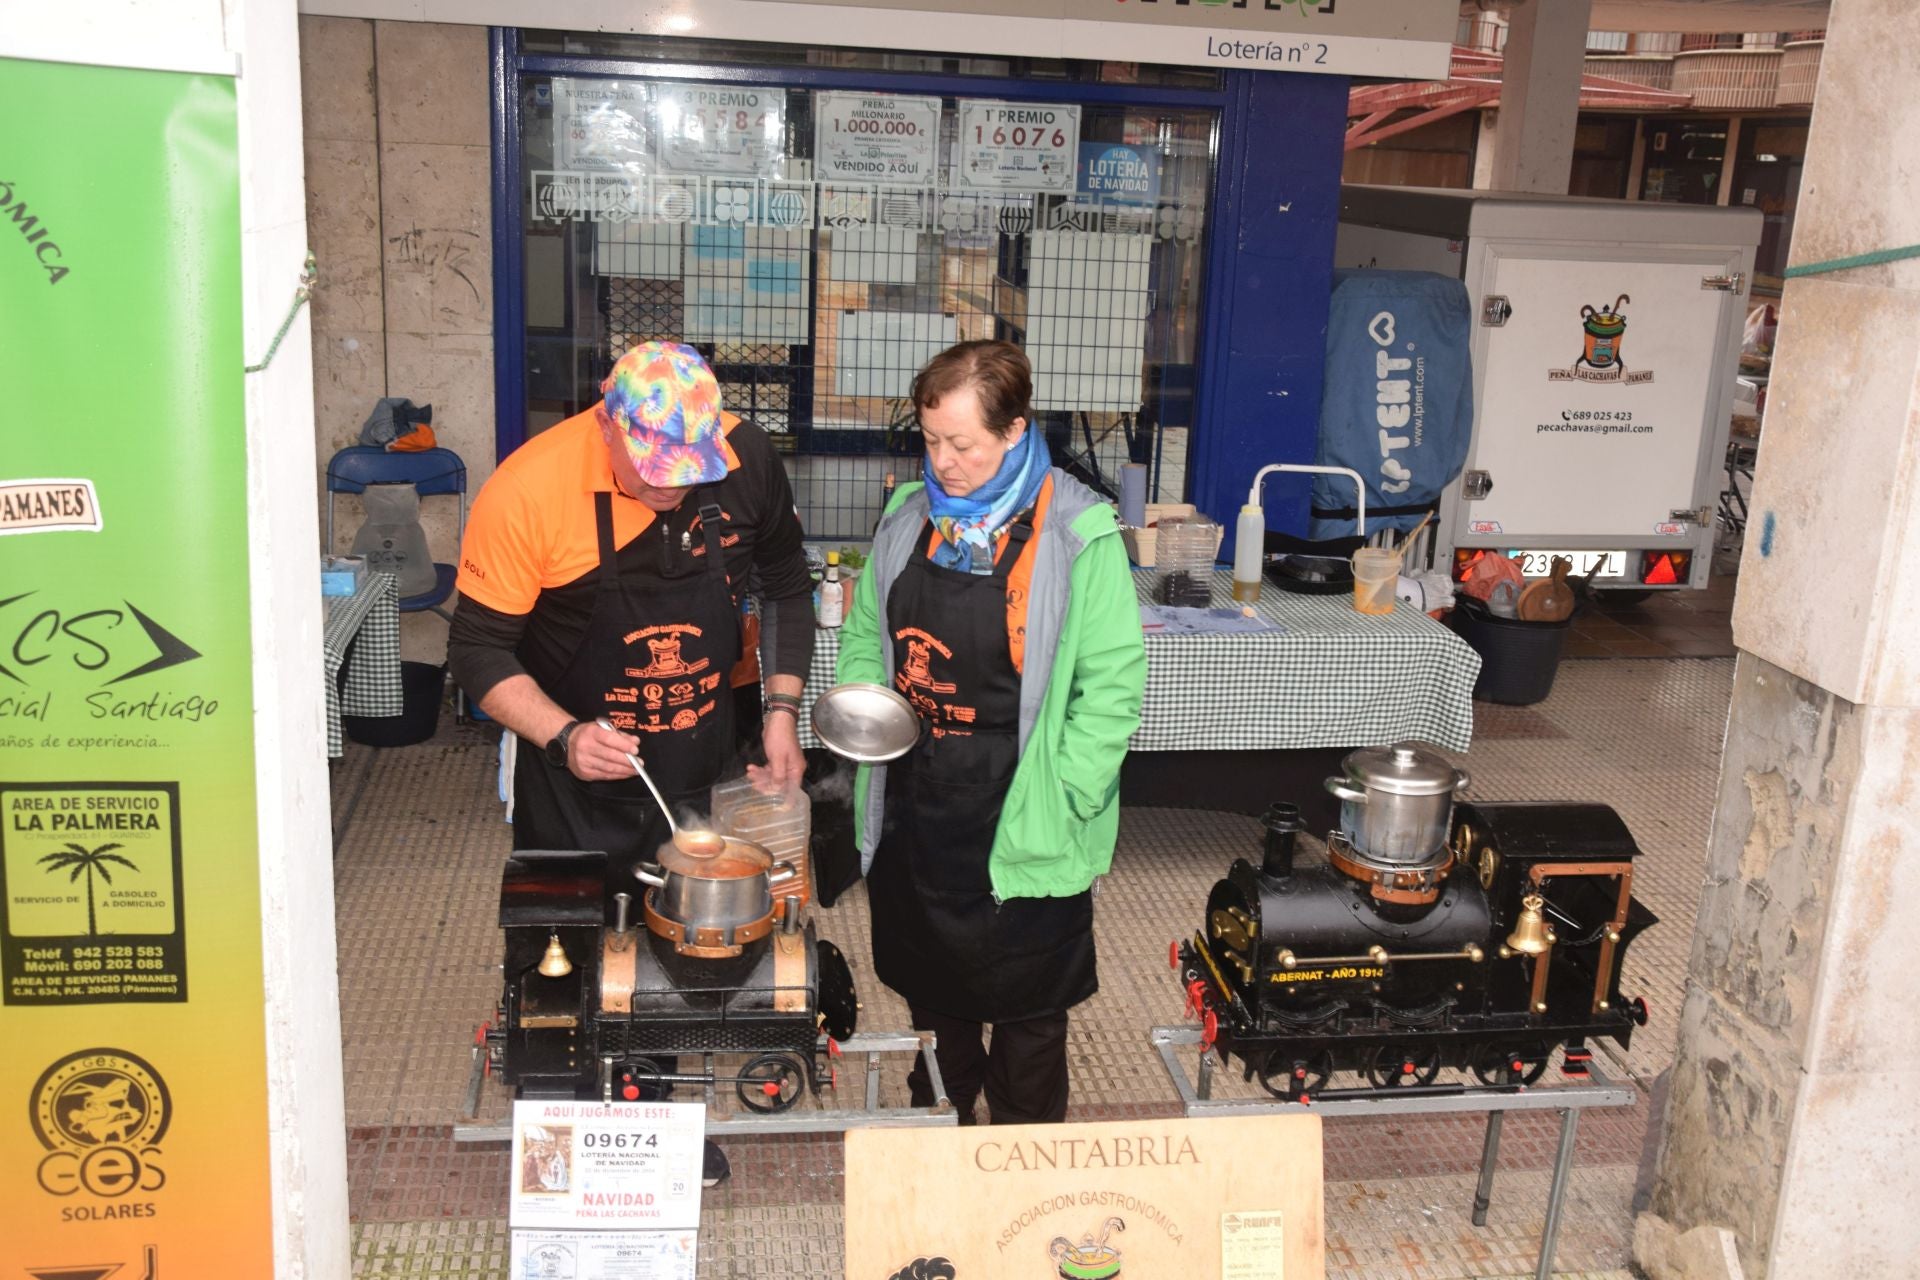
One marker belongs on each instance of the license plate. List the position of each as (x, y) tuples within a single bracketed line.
[(1539, 564)]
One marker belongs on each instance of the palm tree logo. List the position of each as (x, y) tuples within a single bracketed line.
[(92, 862)]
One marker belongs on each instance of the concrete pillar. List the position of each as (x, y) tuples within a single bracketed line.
[(306, 1093), (1540, 96), (1791, 1117), (397, 145), (1729, 157), (436, 244), (1483, 147), (1637, 161)]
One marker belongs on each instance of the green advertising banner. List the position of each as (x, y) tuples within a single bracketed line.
[(132, 1092)]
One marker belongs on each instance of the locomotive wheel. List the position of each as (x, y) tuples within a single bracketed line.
[(1398, 1067), (1295, 1079), (1506, 1064), (771, 1082)]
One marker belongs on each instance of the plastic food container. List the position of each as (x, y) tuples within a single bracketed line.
[(1185, 553), (780, 822), (1376, 574)]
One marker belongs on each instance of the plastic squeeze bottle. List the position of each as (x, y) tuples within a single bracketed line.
[(833, 594), (1249, 550)]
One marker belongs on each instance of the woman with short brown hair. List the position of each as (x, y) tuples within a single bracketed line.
[(999, 603)]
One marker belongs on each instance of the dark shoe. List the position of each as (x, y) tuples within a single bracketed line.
[(714, 1168)]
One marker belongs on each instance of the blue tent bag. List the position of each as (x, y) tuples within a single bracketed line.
[(1397, 405)]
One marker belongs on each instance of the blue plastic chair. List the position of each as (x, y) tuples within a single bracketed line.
[(432, 473)]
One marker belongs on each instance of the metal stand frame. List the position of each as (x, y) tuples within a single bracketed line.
[(799, 1118), (1196, 1096)]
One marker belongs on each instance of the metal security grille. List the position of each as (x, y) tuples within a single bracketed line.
[(816, 302)]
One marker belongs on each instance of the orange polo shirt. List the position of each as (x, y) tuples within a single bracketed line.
[(531, 527)]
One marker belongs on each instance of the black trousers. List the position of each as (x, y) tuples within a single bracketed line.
[(1023, 1073)]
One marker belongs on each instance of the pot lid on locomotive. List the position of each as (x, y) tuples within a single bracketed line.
[(1403, 769)]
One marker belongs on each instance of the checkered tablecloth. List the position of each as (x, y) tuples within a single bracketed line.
[(372, 616), (1331, 677)]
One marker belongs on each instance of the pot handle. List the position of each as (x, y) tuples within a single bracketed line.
[(782, 872), (650, 873), (1346, 791), (1461, 781)]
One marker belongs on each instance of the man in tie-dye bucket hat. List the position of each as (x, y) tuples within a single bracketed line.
[(602, 575), (663, 417), (601, 580)]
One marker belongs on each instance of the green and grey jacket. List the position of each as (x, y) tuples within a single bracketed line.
[(1081, 683)]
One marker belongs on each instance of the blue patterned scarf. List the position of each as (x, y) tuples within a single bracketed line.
[(968, 525)]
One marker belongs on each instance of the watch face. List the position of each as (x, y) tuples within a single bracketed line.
[(557, 746)]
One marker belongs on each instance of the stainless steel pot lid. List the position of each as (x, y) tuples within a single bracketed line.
[(1403, 769), (869, 723)]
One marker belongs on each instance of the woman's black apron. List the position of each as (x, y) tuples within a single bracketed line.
[(655, 661), (939, 939)]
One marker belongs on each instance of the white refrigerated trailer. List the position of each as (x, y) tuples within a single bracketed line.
[(1606, 344)]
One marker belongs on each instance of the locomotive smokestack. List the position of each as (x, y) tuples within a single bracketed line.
[(1283, 826)]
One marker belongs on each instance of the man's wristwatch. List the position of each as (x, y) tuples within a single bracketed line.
[(557, 745)]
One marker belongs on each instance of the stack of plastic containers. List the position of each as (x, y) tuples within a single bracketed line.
[(780, 822), (1183, 555)]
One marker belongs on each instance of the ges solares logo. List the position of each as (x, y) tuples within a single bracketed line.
[(101, 1115)]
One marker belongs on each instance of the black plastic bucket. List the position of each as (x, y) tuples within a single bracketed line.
[(1518, 660), (423, 686)]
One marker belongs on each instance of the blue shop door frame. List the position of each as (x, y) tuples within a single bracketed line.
[(1261, 349), (1264, 341)]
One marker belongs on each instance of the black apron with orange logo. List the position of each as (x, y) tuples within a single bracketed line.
[(939, 939), (654, 662)]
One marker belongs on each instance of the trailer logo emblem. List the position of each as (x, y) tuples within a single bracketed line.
[(1602, 330)]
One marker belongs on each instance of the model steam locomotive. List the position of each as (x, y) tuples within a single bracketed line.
[(612, 1009), (1477, 937)]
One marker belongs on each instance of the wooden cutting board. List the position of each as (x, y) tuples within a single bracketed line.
[(1549, 599)]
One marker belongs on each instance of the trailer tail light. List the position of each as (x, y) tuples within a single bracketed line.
[(1665, 568)]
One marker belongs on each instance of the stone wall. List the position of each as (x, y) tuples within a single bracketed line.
[(400, 223), (1792, 757), (1791, 1118)]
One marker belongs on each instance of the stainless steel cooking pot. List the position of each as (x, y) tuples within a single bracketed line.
[(1396, 803), (709, 881)]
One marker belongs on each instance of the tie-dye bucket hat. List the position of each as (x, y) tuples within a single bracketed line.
[(665, 404)]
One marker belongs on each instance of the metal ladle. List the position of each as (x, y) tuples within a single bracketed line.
[(701, 843)]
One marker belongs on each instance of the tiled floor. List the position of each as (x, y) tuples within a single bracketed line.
[(1668, 624), (419, 848)]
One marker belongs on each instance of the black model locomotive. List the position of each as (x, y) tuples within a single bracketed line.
[(1479, 937), (619, 1001)]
